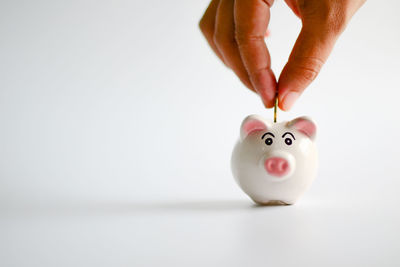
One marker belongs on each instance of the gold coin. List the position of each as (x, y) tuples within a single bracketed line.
[(275, 107)]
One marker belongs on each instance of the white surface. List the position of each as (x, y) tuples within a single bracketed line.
[(117, 125)]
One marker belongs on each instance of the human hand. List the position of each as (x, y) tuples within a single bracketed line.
[(235, 30)]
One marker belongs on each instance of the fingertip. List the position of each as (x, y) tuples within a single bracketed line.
[(269, 104), (280, 103), (287, 91), (281, 95), (290, 86), (265, 84), (284, 89), (287, 101), (267, 100)]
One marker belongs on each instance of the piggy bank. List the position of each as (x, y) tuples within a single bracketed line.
[(275, 163)]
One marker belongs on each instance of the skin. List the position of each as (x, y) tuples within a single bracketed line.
[(235, 30)]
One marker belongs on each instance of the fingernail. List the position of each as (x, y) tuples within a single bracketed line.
[(289, 100)]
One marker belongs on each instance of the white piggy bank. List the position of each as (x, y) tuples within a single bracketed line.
[(275, 162)]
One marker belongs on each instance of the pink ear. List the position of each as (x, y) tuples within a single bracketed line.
[(305, 126), (251, 124)]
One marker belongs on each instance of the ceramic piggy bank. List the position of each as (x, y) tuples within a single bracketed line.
[(275, 162)]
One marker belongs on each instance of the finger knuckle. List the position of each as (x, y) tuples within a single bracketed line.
[(222, 39), (308, 68), (243, 38), (206, 26), (308, 74), (254, 72)]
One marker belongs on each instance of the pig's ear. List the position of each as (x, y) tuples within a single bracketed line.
[(252, 124), (304, 125)]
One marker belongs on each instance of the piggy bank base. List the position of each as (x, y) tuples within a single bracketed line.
[(272, 203)]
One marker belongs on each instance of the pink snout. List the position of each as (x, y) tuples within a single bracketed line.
[(277, 166)]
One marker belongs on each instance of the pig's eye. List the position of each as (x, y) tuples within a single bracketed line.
[(288, 141), (268, 141)]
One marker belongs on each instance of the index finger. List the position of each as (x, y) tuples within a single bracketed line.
[(251, 23)]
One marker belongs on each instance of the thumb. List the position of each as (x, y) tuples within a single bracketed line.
[(309, 53)]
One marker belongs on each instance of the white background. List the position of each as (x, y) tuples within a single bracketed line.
[(117, 124)]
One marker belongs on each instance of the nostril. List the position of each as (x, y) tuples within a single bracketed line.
[(277, 166), (283, 165)]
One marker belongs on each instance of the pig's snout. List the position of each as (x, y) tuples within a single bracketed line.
[(277, 166)]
